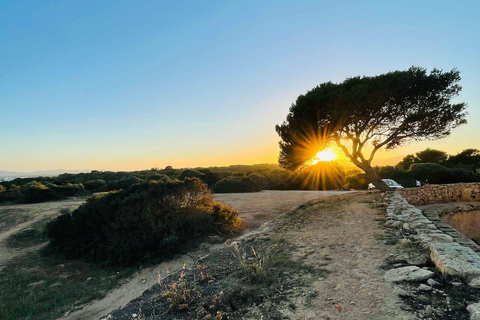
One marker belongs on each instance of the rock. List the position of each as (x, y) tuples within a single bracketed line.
[(408, 274), (424, 287), (474, 310), (401, 292), (418, 260), (474, 283), (397, 224), (433, 283), (456, 284), (455, 260), (405, 242)]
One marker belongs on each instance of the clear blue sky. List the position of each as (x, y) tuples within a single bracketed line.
[(136, 84)]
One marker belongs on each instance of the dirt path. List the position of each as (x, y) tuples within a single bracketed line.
[(255, 209), (342, 236), (38, 211)]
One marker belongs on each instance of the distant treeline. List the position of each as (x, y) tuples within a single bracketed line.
[(428, 166)]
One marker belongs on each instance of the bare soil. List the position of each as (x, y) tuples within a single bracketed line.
[(467, 222)]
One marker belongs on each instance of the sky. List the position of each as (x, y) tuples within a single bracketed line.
[(126, 85)]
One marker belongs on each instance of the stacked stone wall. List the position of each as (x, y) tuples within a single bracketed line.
[(442, 193)]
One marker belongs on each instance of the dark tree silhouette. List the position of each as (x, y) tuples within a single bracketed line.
[(407, 161), (376, 112), (468, 157), (431, 156)]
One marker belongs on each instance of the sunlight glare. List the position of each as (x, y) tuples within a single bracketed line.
[(324, 155)]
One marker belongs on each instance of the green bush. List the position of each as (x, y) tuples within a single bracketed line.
[(2, 188), (124, 183), (37, 192), (235, 184), (356, 181), (436, 173), (189, 173), (145, 221), (95, 185)]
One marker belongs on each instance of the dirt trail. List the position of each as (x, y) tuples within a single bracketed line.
[(343, 237), (38, 211), (255, 209)]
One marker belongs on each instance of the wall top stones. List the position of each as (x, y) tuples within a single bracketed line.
[(442, 193)]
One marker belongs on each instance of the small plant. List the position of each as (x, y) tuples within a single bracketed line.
[(254, 266), (180, 294), (204, 276)]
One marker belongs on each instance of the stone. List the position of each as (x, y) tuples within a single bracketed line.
[(474, 310), (474, 283), (401, 292), (397, 224), (455, 260), (456, 284), (433, 283), (418, 260), (408, 274), (424, 287)]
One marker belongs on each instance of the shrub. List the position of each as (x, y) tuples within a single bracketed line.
[(2, 188), (235, 184), (95, 185), (189, 173), (356, 181), (37, 192), (436, 173), (145, 221), (124, 183)]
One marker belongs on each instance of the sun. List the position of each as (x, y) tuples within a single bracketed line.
[(324, 155)]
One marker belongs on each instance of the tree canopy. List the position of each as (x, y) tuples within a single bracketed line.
[(376, 112)]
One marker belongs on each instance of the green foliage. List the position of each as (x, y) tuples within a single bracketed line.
[(436, 173), (431, 156), (384, 111), (124, 183), (189, 173), (145, 221), (468, 158), (2, 188), (407, 161), (235, 184), (95, 185), (356, 181)]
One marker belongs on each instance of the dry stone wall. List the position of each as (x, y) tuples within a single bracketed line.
[(442, 193), (452, 259)]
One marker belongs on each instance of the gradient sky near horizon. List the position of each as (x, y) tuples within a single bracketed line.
[(124, 85)]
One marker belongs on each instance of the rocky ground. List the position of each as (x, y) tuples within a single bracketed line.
[(332, 259)]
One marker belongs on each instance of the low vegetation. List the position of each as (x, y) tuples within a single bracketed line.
[(41, 287), (432, 166), (146, 221), (243, 281)]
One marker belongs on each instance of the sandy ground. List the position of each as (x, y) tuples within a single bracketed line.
[(254, 208), (258, 207), (342, 236), (38, 211)]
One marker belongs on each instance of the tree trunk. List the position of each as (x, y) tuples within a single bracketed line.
[(375, 179)]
